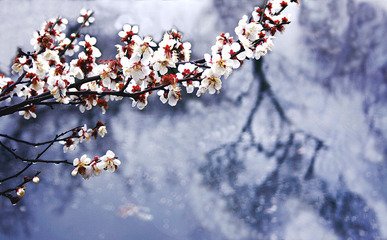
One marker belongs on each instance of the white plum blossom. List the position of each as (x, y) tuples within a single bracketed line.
[(174, 95), (143, 47), (236, 54), (211, 83), (51, 55), (128, 31), (70, 144), (277, 5), (20, 65), (141, 100), (61, 24), (249, 30), (82, 167), (89, 45), (23, 91), (263, 48), (37, 85), (21, 191), (163, 95), (161, 62), (248, 33), (107, 74), (75, 69), (187, 51), (171, 96), (109, 162), (84, 133), (135, 68), (28, 113), (140, 103), (187, 71), (191, 85), (36, 179), (58, 87), (4, 82), (221, 64), (85, 17), (34, 40), (222, 40), (72, 47), (40, 66), (102, 131)]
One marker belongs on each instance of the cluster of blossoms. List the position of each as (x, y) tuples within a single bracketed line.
[(83, 134), (88, 167), (85, 166), (145, 64), (141, 67)]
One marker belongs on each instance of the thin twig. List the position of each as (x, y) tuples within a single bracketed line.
[(36, 144)]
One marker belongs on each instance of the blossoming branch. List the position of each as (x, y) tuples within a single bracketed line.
[(65, 69)]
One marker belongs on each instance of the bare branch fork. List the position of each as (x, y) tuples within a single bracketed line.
[(30, 162)]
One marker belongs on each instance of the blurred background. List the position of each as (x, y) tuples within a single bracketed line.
[(294, 147)]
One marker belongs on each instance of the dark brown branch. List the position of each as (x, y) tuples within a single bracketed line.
[(16, 174), (124, 94), (37, 159), (27, 142), (7, 110)]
